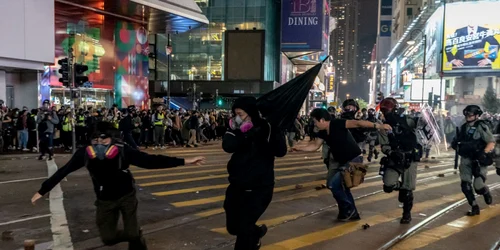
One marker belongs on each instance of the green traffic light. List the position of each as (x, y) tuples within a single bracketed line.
[(220, 102)]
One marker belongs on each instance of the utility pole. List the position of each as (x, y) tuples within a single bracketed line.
[(169, 52), (72, 88)]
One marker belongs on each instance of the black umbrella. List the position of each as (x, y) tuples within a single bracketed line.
[(281, 106)]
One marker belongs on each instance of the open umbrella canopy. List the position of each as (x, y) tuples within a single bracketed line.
[(281, 106)]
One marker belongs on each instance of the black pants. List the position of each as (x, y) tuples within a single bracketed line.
[(107, 214), (177, 137), (243, 209)]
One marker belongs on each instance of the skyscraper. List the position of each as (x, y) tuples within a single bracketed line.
[(344, 40)]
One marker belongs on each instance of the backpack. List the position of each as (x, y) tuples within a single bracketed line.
[(42, 127)]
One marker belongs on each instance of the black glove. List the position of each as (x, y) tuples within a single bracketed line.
[(397, 157), (485, 159), (498, 171), (454, 144)]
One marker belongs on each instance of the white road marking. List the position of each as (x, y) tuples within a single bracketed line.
[(23, 180), (58, 221), (24, 219)]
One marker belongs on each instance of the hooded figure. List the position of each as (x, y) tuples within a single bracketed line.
[(253, 144)]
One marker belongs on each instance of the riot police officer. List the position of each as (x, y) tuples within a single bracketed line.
[(474, 144), (372, 136), (350, 108), (402, 154)]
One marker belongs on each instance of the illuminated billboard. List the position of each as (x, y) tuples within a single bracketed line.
[(472, 38)]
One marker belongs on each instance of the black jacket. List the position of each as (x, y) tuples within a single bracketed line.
[(110, 182), (252, 162)]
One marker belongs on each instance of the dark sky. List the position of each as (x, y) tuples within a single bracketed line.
[(367, 36)]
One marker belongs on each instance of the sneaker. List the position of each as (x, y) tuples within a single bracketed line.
[(40, 158), (344, 218), (474, 211), (263, 232), (50, 157)]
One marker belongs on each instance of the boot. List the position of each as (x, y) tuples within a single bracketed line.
[(406, 219), (406, 196), (488, 199), (376, 154), (474, 211), (263, 232)]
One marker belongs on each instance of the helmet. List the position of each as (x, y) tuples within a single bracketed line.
[(389, 104), (331, 109), (350, 102), (472, 109)]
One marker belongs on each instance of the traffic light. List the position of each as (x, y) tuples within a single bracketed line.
[(323, 106), (437, 100), (80, 79), (64, 71), (429, 99), (219, 102), (380, 97)]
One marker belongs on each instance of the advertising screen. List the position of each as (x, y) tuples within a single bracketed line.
[(472, 36)]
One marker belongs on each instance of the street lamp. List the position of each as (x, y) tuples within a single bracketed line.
[(344, 82), (347, 96), (412, 42)]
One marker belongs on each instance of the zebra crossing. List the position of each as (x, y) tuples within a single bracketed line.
[(302, 215)]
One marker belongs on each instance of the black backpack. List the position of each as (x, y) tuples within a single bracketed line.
[(42, 127)]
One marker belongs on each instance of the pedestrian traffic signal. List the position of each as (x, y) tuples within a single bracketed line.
[(219, 102), (64, 71), (80, 79), (437, 100)]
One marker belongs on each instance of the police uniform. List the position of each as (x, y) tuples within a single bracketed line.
[(472, 140), (372, 136), (403, 153)]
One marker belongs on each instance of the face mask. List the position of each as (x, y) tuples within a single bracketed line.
[(101, 152), (238, 120), (348, 114)]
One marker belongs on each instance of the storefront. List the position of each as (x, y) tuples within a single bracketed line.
[(114, 43)]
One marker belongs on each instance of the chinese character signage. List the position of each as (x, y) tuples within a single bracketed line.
[(472, 36), (331, 82), (302, 25)]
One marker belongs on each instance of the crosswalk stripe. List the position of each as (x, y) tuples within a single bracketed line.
[(314, 193), (343, 229), (370, 199), (156, 183), (337, 231), (136, 170), (442, 232), (224, 169), (221, 198), (269, 222)]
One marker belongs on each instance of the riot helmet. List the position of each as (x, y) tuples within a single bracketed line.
[(472, 110), (388, 105), (348, 112)]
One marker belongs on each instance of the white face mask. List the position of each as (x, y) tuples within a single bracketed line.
[(238, 120)]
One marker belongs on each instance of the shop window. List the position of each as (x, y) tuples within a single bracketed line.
[(409, 11)]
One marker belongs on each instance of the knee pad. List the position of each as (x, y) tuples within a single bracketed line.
[(481, 191), (388, 189), (466, 186)]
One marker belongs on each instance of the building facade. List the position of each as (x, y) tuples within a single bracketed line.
[(344, 40), (446, 57), (112, 39)]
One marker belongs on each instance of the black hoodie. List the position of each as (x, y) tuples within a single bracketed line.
[(252, 162)]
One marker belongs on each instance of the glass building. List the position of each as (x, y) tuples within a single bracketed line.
[(199, 54)]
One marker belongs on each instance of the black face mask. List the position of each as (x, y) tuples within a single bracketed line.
[(348, 114)]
